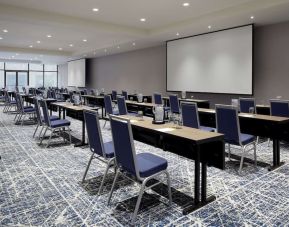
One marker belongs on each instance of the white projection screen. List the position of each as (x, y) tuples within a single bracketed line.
[(217, 62), (76, 73)]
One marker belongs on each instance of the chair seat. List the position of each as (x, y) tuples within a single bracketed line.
[(109, 149), (150, 164), (12, 102), (52, 118), (59, 123), (246, 138), (28, 107), (115, 112), (29, 110), (166, 108), (208, 129)]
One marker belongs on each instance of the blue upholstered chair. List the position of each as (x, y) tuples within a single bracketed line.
[(22, 111), (227, 121), (100, 150), (40, 118), (121, 106), (138, 167), (85, 92), (108, 107), (279, 108), (174, 107), (159, 101), (53, 126), (114, 94), (190, 116), (125, 94), (246, 104), (9, 103)]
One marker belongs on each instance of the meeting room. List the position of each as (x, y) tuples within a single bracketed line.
[(144, 113)]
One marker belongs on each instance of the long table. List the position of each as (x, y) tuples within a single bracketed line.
[(75, 112), (200, 103), (206, 148), (95, 100), (275, 128)]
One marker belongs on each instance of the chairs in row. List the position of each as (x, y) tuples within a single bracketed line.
[(120, 153), (21, 110)]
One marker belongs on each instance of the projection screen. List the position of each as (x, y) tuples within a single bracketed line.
[(217, 62), (76, 73)]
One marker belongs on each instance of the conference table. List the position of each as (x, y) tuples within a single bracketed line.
[(97, 100), (145, 98), (75, 112), (273, 127), (200, 103), (206, 148)]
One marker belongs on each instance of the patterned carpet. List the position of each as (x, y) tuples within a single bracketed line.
[(42, 187)]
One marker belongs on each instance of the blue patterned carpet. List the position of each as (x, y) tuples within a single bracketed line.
[(42, 187)]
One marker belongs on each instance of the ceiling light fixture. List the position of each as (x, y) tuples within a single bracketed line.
[(71, 45), (84, 40), (49, 36), (5, 30), (95, 9), (31, 46), (177, 34), (1, 37), (142, 19), (186, 4), (252, 17), (133, 44), (118, 47), (38, 41), (59, 48), (16, 54), (209, 27)]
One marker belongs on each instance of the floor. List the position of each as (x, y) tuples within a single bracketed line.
[(42, 187)]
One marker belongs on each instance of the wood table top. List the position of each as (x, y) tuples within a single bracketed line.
[(188, 100), (147, 104), (70, 106), (93, 96)]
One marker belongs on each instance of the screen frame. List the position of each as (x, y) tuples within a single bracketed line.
[(197, 92)]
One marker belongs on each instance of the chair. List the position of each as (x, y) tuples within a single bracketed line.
[(279, 108), (9, 103), (227, 122), (174, 107), (22, 111), (108, 107), (40, 118), (137, 167), (246, 104), (125, 95), (100, 150), (121, 106), (190, 116), (53, 126), (114, 94), (85, 92)]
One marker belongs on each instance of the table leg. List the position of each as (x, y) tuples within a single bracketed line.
[(82, 143), (59, 112), (276, 155), (64, 113)]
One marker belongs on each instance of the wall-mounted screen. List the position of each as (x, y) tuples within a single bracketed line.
[(76, 73)]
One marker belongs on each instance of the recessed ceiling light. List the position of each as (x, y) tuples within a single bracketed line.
[(1, 38), (13, 56), (186, 4), (5, 30), (84, 40), (177, 34), (118, 47), (95, 9), (38, 41), (71, 45), (142, 19), (59, 48), (17, 54), (49, 36), (31, 46), (133, 44), (209, 27), (252, 17)]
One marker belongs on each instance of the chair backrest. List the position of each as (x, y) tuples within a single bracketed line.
[(123, 145), (37, 110), (53, 94), (246, 104), (24, 90), (17, 89), (279, 108), (85, 92), (45, 112), (125, 95), (93, 132), (158, 98), (108, 104), (190, 114), (19, 108), (121, 105), (174, 104), (71, 96), (227, 122), (114, 94)]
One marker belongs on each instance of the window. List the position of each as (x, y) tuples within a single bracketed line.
[(50, 79), (2, 85), (50, 68), (36, 67), (1, 65), (35, 79), (16, 66)]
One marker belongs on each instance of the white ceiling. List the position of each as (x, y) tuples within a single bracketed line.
[(116, 26)]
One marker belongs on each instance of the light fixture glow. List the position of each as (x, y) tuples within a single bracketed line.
[(31, 46), (177, 34), (16, 54), (38, 41), (5, 30), (133, 44), (1, 37), (71, 45), (185, 4), (49, 36), (252, 17), (142, 19), (95, 9), (84, 40), (118, 47), (209, 27), (59, 48)]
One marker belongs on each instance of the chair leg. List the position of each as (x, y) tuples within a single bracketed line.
[(255, 153), (242, 159), (268, 143), (50, 138), (43, 135), (138, 202), (229, 152), (69, 134), (104, 123), (112, 187), (87, 167), (35, 130), (39, 136), (104, 176), (23, 119), (169, 187)]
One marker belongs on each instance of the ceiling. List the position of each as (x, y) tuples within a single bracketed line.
[(116, 26)]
